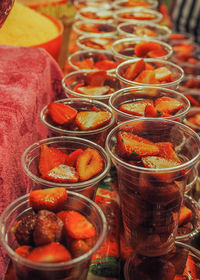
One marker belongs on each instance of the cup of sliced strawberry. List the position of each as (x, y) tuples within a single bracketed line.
[(154, 158), (71, 162), (149, 71), (51, 234), (149, 102), (79, 117)]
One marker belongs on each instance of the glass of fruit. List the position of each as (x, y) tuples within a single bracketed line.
[(71, 162), (180, 38), (91, 84), (121, 4), (149, 102), (143, 29), (79, 4), (154, 72), (95, 14), (129, 48), (93, 59), (154, 158), (79, 117), (95, 42), (51, 234), (190, 87), (192, 119)]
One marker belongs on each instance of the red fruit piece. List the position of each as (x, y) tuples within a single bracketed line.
[(62, 173), (143, 48), (163, 74), (192, 83), (156, 53), (150, 111), (106, 64), (176, 36), (94, 90), (90, 120), (185, 216), (157, 162), (72, 157), (96, 79), (129, 145), (87, 63), (168, 105), (51, 253), (24, 251), (52, 199), (166, 151), (76, 88), (61, 113), (89, 164), (190, 269), (50, 157), (79, 247), (197, 119), (133, 71), (136, 108), (146, 77), (77, 226)]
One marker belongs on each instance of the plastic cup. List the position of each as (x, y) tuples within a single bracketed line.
[(98, 136), (143, 29), (95, 14), (189, 119), (75, 269), (190, 87), (30, 160), (131, 94), (151, 197), (95, 42), (176, 71), (79, 4), (124, 49), (117, 5), (180, 38), (70, 81)]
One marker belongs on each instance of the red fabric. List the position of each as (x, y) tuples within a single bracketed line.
[(29, 79)]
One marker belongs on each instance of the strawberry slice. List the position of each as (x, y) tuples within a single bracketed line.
[(93, 90), (51, 253), (51, 199), (87, 63), (106, 64), (185, 216), (150, 111), (158, 162), (156, 53), (197, 119), (61, 113), (96, 79), (192, 83), (79, 247), (136, 108), (72, 157), (168, 105), (62, 174), (129, 145), (143, 48), (133, 71), (149, 66), (163, 74), (89, 164), (176, 36), (191, 268), (50, 157), (77, 226), (146, 77), (90, 120), (24, 251), (167, 151)]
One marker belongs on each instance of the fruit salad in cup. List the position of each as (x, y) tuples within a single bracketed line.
[(95, 42), (95, 14), (120, 4), (190, 87), (192, 119)]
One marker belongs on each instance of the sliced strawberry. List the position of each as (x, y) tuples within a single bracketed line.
[(163, 74), (24, 251), (106, 64), (87, 63), (90, 120), (190, 269), (61, 113), (157, 162), (77, 86), (186, 215), (52, 199), (129, 145), (72, 157), (143, 48), (176, 36), (62, 215), (150, 111), (192, 83), (89, 164), (156, 53), (168, 105), (50, 157), (146, 77), (51, 253), (77, 226), (149, 66), (193, 101), (167, 151), (96, 79), (94, 91), (62, 174), (133, 71), (136, 108), (197, 119), (79, 247)]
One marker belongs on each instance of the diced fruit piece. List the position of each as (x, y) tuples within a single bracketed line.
[(48, 228), (106, 64), (157, 162), (76, 88), (50, 157), (61, 215), (143, 48), (136, 108), (149, 66), (163, 74), (190, 269), (24, 251), (96, 79), (192, 83), (89, 164), (176, 36), (87, 120), (150, 111), (79, 247), (72, 157), (51, 253), (197, 119), (94, 90), (52, 199), (87, 63), (62, 173), (61, 113), (130, 145), (146, 77), (77, 226), (166, 151), (133, 71), (168, 105), (185, 215), (156, 53)]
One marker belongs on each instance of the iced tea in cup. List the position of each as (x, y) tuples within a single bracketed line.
[(154, 158), (150, 102), (61, 162), (56, 260)]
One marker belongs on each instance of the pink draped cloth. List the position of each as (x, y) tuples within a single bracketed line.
[(29, 79)]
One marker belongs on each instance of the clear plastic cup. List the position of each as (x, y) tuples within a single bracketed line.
[(190, 87), (95, 42), (121, 4), (131, 94), (190, 121), (176, 71), (124, 49), (98, 135), (151, 197), (75, 269), (30, 160), (79, 4), (95, 59), (95, 14), (180, 38), (143, 29), (70, 81)]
